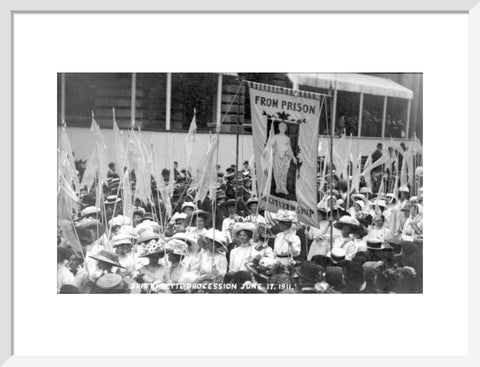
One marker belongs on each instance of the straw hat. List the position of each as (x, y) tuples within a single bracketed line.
[(244, 226), (338, 254), (348, 221), (90, 210), (107, 257), (202, 213), (374, 244), (110, 282), (112, 199), (147, 236), (121, 239), (179, 216), (215, 236), (119, 220), (188, 204), (189, 240), (176, 246), (285, 216)]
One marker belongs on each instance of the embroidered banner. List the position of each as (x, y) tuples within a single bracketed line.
[(285, 142)]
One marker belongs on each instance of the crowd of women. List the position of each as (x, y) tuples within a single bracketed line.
[(363, 243)]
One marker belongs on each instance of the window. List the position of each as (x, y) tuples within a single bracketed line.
[(372, 115), (193, 91), (396, 120)]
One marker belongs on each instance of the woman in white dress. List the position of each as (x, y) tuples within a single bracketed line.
[(155, 270), (320, 236), (212, 258), (379, 230), (413, 226), (244, 252)]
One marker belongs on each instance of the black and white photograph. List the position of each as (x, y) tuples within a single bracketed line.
[(231, 182)]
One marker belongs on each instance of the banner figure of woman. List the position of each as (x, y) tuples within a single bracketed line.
[(282, 156)]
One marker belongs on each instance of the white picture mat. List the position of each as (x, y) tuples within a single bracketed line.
[(433, 323)]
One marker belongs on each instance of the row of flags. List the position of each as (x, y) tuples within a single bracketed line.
[(348, 165)]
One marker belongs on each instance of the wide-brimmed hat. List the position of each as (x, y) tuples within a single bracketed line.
[(374, 244), (244, 226), (189, 240), (360, 197), (90, 210), (380, 203), (252, 200), (89, 230), (391, 197), (406, 207), (179, 216), (351, 222), (148, 216), (201, 213), (147, 225), (176, 247), (215, 236), (188, 204), (153, 247), (110, 282), (310, 271), (107, 257), (119, 220), (147, 236), (121, 239), (285, 216)]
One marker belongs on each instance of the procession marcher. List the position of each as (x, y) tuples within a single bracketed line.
[(347, 225), (64, 275), (212, 259), (177, 249), (230, 220), (413, 226), (254, 216), (356, 208), (393, 212), (156, 270), (107, 262), (122, 245), (199, 218), (188, 208), (320, 236), (261, 240), (190, 261), (379, 230), (405, 210), (89, 230), (240, 255), (287, 244), (138, 213)]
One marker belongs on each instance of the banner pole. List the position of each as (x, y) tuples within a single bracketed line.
[(332, 128)]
